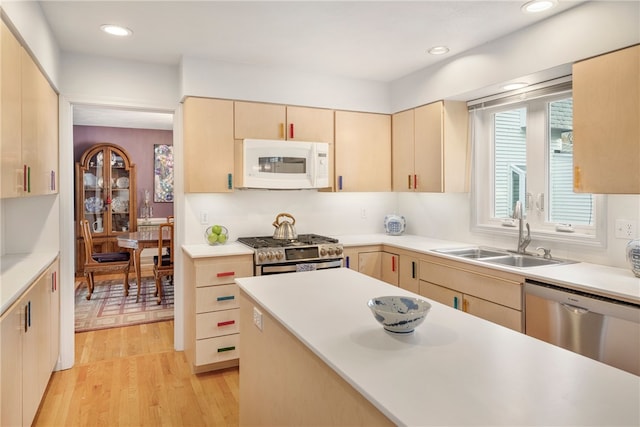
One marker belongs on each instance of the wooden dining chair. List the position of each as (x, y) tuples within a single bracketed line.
[(163, 262), (102, 262)]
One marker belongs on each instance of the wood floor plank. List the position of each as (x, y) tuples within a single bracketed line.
[(132, 377)]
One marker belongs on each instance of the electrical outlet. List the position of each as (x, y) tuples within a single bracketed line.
[(204, 217), (257, 318), (625, 229)]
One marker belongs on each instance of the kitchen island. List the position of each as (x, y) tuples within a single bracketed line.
[(321, 358)]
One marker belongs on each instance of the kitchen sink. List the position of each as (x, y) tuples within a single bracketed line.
[(525, 261), (502, 257), (472, 252)]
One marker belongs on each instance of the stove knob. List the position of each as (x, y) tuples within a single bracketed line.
[(332, 251), (269, 255), (338, 251), (279, 255), (323, 252), (261, 256)]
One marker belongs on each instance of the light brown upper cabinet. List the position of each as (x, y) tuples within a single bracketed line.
[(362, 151), (29, 139), (208, 145), (39, 129), (431, 148), (606, 123), (11, 110), (274, 121)]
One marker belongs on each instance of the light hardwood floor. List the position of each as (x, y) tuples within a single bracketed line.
[(131, 376)]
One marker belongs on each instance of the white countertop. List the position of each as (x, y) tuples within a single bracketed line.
[(18, 271), (455, 369), (205, 250), (601, 279)]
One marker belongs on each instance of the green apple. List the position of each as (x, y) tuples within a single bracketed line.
[(212, 238), (222, 238), (216, 229)]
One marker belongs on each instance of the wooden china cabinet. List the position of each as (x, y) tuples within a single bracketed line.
[(105, 196)]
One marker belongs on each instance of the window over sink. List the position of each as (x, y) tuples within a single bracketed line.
[(523, 151)]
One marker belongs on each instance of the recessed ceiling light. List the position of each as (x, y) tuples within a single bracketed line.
[(515, 85), (116, 30), (438, 50), (535, 6)]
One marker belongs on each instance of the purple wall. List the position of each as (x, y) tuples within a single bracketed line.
[(139, 144)]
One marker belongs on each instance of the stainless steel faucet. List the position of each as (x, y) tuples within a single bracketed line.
[(523, 241)]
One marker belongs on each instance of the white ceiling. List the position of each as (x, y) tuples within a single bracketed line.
[(372, 40)]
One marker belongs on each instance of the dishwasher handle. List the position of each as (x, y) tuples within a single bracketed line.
[(574, 309)]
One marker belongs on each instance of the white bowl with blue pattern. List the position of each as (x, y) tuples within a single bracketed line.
[(399, 314)]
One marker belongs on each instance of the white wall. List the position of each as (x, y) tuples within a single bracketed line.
[(581, 32), (215, 79), (448, 216), (252, 212), (107, 81)]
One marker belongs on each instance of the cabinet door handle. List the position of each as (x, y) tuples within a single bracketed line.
[(465, 305), (282, 135), (24, 178), (223, 349), (226, 323), (415, 182), (29, 179), (577, 179), (347, 260), (226, 273), (29, 314), (26, 318), (393, 264), (413, 269), (455, 302), (226, 298), (229, 181), (409, 181), (340, 182), (291, 131)]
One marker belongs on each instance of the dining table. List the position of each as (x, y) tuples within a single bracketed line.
[(138, 241)]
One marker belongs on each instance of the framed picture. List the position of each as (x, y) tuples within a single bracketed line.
[(163, 173)]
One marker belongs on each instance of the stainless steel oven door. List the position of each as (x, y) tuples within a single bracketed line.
[(291, 267)]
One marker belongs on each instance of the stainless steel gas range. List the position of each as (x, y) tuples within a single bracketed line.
[(307, 252)]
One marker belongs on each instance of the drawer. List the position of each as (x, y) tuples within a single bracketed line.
[(495, 289), (219, 349), (217, 323), (219, 273), (214, 298)]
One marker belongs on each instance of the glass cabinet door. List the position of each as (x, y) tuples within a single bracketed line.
[(120, 192), (93, 180)]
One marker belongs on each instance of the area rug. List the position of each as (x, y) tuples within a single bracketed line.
[(109, 308)]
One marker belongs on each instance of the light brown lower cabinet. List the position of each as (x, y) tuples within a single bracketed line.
[(212, 317), (408, 274), (30, 347), (489, 294), (374, 262)]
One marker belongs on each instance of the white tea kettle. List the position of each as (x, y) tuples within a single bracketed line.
[(394, 225)]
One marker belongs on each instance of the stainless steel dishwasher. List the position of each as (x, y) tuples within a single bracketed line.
[(601, 328)]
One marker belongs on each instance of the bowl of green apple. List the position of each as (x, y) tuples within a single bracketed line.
[(217, 235)]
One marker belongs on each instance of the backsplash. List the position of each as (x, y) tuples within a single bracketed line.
[(444, 216), (252, 212)]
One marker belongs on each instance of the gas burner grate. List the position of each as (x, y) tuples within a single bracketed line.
[(270, 242)]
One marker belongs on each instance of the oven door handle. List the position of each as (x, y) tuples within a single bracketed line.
[(272, 269)]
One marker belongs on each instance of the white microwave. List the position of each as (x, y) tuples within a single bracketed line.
[(282, 165)]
